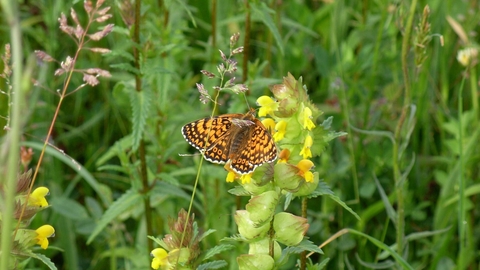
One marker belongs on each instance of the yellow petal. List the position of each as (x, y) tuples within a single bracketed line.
[(265, 101), (37, 198), (43, 233), (308, 177), (246, 178), (230, 177), (267, 105), (305, 165), (269, 124), (280, 128), (159, 257), (306, 152), (307, 119)]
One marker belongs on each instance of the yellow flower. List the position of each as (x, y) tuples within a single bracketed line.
[(43, 233), (230, 176), (37, 198), (306, 152), (267, 106), (269, 124), (160, 257), (246, 178), (280, 129), (307, 118), (467, 56), (304, 166)]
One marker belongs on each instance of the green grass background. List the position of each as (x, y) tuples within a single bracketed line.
[(349, 55)]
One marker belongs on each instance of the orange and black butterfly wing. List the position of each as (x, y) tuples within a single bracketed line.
[(211, 136), (259, 148)]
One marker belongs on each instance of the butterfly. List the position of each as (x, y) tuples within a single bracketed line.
[(240, 139)]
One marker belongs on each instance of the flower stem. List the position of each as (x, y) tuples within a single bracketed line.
[(13, 148), (406, 103)]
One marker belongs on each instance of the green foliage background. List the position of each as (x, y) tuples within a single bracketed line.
[(349, 55)]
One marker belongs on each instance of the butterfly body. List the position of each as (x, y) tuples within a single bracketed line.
[(240, 139)]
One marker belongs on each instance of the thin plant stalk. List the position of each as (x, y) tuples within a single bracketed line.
[(141, 149), (462, 244), (406, 103), (10, 9), (246, 43), (474, 89)]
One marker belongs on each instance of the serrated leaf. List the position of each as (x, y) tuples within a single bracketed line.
[(239, 191), (221, 264), (262, 12), (127, 200), (152, 67), (305, 245), (140, 102), (234, 238), (309, 246), (45, 260), (120, 54), (322, 264), (207, 233), (217, 250), (126, 67), (333, 135), (327, 123)]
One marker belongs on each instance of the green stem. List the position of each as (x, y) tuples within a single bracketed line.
[(11, 16), (474, 89), (406, 103), (141, 149), (246, 47), (303, 255), (461, 182)]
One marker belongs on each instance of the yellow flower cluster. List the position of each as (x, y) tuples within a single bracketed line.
[(280, 128)]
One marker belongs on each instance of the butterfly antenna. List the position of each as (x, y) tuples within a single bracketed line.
[(246, 101)]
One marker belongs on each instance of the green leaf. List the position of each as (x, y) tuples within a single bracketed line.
[(141, 103), (381, 245), (127, 200), (120, 54), (239, 191), (121, 145), (126, 67), (45, 260), (322, 264), (305, 245), (221, 264), (69, 208), (388, 207), (262, 12), (207, 233), (217, 249), (387, 264), (324, 189), (84, 173)]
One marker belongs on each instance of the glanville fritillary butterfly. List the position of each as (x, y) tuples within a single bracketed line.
[(240, 139)]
